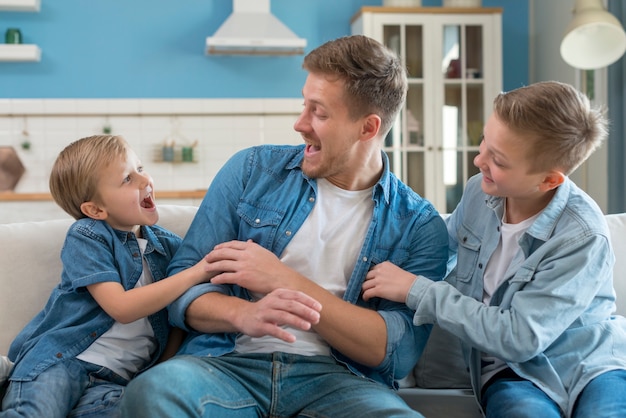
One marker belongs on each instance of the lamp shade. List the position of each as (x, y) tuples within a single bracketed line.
[(594, 38)]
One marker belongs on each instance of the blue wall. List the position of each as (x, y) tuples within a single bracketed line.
[(155, 48)]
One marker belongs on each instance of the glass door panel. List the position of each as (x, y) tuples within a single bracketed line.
[(414, 51), (475, 113), (474, 51), (415, 114), (451, 63), (415, 172), (452, 116), (391, 39)]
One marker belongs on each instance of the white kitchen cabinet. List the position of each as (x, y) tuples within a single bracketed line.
[(454, 61), (20, 52)]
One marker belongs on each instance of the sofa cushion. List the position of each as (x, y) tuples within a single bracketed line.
[(38, 246), (441, 365), (617, 228)]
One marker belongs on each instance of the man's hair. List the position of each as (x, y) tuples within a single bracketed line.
[(375, 80), (77, 170), (560, 121)]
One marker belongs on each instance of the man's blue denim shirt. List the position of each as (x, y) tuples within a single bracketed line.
[(93, 252), (261, 194)]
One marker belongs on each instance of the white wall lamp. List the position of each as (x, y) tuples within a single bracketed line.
[(594, 38)]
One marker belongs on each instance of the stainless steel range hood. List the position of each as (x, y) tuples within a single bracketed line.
[(252, 30)]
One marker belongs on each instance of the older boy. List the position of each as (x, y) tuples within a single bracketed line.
[(532, 294)]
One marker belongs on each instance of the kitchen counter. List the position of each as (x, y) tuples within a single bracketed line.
[(166, 194), (25, 207)]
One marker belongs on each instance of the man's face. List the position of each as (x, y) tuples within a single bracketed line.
[(330, 134)]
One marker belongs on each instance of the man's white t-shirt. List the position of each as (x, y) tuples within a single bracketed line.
[(325, 250)]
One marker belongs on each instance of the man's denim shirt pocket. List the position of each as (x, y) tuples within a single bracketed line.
[(260, 223)]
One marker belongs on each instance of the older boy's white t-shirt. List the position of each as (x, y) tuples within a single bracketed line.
[(325, 250), (497, 266), (125, 348)]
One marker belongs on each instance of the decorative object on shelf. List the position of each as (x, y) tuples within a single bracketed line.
[(11, 168), (594, 38), (462, 3), (13, 36), (187, 152), (12, 49), (472, 73), (25, 144), (168, 151), (106, 128), (402, 3)]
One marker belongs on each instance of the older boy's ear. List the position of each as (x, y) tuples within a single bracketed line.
[(552, 180), (92, 210)]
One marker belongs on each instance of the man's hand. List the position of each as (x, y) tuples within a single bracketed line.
[(388, 281), (250, 266), (280, 307)]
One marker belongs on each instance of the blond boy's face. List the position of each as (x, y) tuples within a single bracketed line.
[(125, 195), (503, 160)]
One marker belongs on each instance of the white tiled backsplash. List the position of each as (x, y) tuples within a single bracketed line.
[(220, 126)]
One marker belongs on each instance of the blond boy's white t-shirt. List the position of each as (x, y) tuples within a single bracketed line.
[(125, 348)]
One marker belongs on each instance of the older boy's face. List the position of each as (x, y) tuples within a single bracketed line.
[(504, 163), (330, 134)]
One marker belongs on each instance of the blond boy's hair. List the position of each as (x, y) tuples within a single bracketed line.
[(77, 169), (560, 121)]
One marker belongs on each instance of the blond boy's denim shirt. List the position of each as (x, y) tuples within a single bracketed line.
[(72, 320), (551, 320), (262, 194)]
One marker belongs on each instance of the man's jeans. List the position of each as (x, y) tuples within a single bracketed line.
[(258, 385), (85, 389), (513, 397)]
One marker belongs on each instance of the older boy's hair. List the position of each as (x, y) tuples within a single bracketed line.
[(560, 121), (77, 169), (375, 80)]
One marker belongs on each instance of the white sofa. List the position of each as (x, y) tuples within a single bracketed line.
[(30, 268)]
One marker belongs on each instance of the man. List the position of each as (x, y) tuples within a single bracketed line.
[(282, 329)]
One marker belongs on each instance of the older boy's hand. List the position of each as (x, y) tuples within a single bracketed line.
[(388, 281)]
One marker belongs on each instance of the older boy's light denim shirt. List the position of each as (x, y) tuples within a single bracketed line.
[(551, 318), (261, 194), (93, 252)]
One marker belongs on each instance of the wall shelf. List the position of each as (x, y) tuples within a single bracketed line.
[(19, 52), (20, 5)]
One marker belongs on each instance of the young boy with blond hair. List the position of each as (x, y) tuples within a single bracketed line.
[(105, 322)]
